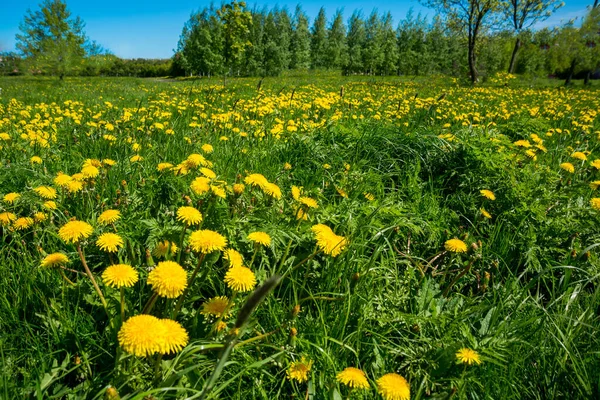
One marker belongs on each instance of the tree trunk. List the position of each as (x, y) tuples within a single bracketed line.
[(586, 80), (570, 75), (472, 63), (513, 57)]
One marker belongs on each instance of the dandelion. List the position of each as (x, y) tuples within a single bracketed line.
[(522, 143), (164, 166), (272, 190), (73, 231), (206, 241), (109, 217), (260, 238), (75, 186), (595, 203), (194, 160), (162, 248), (200, 185), (309, 202), (136, 158), (256, 180), (488, 194), (455, 246), (353, 377), (594, 185), (54, 260), (40, 216), (485, 213), (62, 180), (579, 155), (218, 191), (568, 167), (109, 242), (23, 223), (596, 163), (238, 188), (6, 218), (217, 306), (175, 338), (393, 387), (287, 166), (90, 171), (109, 162), (168, 279), (120, 275), (209, 173), (369, 196), (207, 148), (240, 279), (296, 191), (235, 258), (301, 215), (189, 215), (329, 242), (46, 192), (142, 335), (10, 198), (299, 370), (36, 160), (50, 205), (468, 356)]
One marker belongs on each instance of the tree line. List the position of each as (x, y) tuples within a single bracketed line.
[(466, 38)]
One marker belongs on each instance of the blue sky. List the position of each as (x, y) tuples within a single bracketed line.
[(151, 28)]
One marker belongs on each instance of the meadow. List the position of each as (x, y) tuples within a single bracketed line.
[(303, 237)]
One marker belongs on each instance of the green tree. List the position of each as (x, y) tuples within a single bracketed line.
[(372, 51), (472, 17), (273, 60), (236, 20), (389, 46), (283, 36), (51, 41), (521, 15), (356, 41), (201, 44), (300, 44), (319, 40), (254, 53), (337, 50)]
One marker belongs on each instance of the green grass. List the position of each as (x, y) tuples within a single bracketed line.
[(525, 296)]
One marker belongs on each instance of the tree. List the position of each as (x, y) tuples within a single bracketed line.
[(201, 44), (472, 17), (319, 40), (372, 51), (336, 43), (389, 46), (300, 45), (356, 41), (50, 40), (521, 15), (236, 20)]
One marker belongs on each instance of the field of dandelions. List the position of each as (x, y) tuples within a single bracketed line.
[(309, 237)]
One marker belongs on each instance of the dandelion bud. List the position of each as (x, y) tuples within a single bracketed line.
[(295, 310), (293, 332), (573, 253), (124, 183), (474, 246), (111, 393), (355, 276)]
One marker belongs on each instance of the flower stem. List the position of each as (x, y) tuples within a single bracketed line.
[(70, 282), (122, 305), (89, 274), (186, 290), (180, 244), (150, 303)]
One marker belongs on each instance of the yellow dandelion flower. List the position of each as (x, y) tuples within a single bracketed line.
[(296, 191), (200, 185), (46, 192), (164, 166), (90, 171), (40, 216), (594, 185), (36, 160), (596, 163), (488, 194), (329, 242), (207, 148), (369, 196), (260, 238), (299, 370), (109, 242), (220, 326), (62, 180), (595, 203), (238, 188), (272, 190), (195, 160), (301, 214), (235, 258), (579, 155), (455, 246), (142, 335), (10, 198), (209, 173), (6, 218), (162, 248), (485, 213), (240, 279), (353, 378), (73, 231), (568, 167), (189, 215), (78, 177), (91, 162), (216, 306), (23, 223), (326, 166), (393, 387), (309, 202), (168, 279), (342, 192), (136, 158), (218, 191), (120, 275), (109, 162), (206, 241), (175, 338), (50, 205), (109, 217), (468, 356), (54, 260), (522, 143), (287, 166), (256, 180), (75, 186)]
